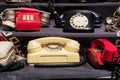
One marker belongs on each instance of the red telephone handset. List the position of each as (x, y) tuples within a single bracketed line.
[(101, 52)]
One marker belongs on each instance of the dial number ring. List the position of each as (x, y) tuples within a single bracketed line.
[(79, 21)]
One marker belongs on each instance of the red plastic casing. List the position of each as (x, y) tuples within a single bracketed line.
[(27, 19), (106, 57)]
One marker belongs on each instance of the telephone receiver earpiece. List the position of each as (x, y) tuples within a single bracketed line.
[(34, 46), (72, 46), (97, 17)]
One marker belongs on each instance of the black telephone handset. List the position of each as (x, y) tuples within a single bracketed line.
[(62, 17), (76, 20)]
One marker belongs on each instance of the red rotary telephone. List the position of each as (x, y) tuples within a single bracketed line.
[(25, 19), (101, 52)]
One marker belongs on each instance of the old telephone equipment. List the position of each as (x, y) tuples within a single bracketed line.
[(25, 19), (102, 52), (76, 20), (53, 51), (8, 60), (7, 52), (113, 23)]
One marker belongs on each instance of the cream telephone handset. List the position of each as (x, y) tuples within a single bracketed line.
[(53, 51)]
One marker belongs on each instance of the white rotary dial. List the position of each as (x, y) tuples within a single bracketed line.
[(79, 21)]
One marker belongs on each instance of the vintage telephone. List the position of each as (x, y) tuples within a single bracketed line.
[(76, 20), (53, 51), (25, 19), (7, 52), (113, 23), (8, 60), (102, 52)]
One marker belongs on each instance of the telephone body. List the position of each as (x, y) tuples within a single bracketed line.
[(25, 19), (7, 52), (102, 52), (78, 20), (53, 51)]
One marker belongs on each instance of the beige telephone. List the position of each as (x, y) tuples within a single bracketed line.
[(53, 51), (7, 52)]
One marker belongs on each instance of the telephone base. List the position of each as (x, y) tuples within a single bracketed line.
[(53, 64), (53, 58), (31, 64), (79, 31)]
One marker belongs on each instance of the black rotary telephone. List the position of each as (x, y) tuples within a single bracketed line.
[(76, 20)]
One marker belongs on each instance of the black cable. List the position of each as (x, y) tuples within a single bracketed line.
[(12, 66), (51, 6), (115, 75)]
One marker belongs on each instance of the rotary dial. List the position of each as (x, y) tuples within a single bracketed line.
[(53, 47), (79, 21)]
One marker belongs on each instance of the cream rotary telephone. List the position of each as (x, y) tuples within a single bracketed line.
[(53, 51)]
